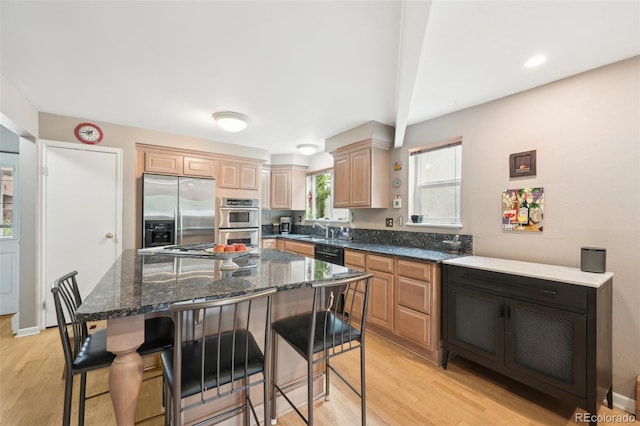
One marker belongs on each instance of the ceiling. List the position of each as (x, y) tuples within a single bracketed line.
[(302, 71)]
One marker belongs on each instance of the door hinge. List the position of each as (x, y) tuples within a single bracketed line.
[(45, 171), (44, 306)]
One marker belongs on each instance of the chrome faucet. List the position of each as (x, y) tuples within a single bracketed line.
[(325, 227)]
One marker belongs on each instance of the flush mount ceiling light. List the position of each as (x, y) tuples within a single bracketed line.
[(307, 148), (231, 121), (534, 61)]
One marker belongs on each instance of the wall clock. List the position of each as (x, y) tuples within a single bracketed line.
[(88, 133)]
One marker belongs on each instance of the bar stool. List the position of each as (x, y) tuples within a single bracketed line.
[(84, 352), (331, 328), (218, 357)]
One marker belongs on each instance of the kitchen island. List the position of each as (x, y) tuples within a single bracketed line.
[(148, 283)]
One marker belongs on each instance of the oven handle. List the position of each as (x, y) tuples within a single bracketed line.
[(238, 229), (239, 208)]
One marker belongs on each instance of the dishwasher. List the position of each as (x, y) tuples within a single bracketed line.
[(335, 255), (330, 254)]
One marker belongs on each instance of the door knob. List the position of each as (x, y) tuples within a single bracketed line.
[(108, 235)]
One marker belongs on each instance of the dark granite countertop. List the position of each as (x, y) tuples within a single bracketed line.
[(404, 252), (150, 282)]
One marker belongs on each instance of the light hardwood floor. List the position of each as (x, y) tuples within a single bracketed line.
[(402, 389)]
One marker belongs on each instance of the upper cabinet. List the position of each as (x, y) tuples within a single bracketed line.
[(265, 196), (198, 166), (155, 162), (361, 175), (287, 187), (237, 175)]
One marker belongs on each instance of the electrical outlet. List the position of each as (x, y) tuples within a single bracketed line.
[(389, 222)]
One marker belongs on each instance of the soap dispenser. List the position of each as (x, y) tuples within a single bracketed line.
[(341, 233)]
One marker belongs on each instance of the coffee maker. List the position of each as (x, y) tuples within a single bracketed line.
[(285, 225)]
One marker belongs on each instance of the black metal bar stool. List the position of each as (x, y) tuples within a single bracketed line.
[(335, 325)]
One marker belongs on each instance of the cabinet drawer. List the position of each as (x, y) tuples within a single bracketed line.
[(413, 325), (417, 270), (380, 263), (300, 248), (414, 294), (532, 289), (355, 259)]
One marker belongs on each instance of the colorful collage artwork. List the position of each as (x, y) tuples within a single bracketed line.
[(522, 209)]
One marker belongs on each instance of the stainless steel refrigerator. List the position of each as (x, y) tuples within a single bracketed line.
[(177, 210)]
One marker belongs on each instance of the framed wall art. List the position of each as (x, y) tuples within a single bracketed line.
[(522, 164), (523, 209)]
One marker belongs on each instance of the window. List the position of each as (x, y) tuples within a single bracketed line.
[(319, 201), (435, 182)]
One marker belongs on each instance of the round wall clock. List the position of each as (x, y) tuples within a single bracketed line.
[(88, 133)]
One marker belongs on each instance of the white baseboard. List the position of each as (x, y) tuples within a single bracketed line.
[(624, 403), (30, 331)]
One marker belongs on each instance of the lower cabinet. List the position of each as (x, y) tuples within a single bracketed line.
[(296, 247), (269, 243), (553, 336), (404, 301)]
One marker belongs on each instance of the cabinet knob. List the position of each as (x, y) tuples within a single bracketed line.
[(108, 235)]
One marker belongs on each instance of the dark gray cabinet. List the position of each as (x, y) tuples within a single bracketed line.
[(551, 335)]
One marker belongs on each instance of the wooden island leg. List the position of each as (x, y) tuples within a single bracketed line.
[(124, 336)]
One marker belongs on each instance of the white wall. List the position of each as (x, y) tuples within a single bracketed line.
[(586, 131)]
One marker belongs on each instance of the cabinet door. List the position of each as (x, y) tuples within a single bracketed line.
[(342, 181), (248, 176), (269, 243), (163, 163), (475, 323), (547, 344), (197, 166), (380, 309), (360, 189), (229, 175), (281, 189), (265, 199)]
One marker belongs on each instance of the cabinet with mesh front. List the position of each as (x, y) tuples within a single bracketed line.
[(552, 335)]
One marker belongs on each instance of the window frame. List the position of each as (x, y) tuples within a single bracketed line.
[(415, 195), (323, 220)]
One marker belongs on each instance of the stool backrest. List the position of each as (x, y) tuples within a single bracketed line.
[(66, 297)]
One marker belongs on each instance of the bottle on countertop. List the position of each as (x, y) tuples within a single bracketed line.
[(341, 233)]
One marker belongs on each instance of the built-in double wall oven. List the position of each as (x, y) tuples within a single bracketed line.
[(238, 220)]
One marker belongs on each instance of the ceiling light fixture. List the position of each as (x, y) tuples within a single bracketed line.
[(231, 121), (534, 61), (307, 148)]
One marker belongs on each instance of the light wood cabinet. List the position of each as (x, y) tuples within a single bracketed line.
[(167, 164), (353, 301), (265, 194), (280, 244), (418, 304), (361, 175), (302, 249), (287, 187), (198, 166), (269, 243), (380, 309), (236, 175)]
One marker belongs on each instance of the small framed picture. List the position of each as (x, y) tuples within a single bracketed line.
[(522, 164)]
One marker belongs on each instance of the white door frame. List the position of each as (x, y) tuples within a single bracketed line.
[(43, 145)]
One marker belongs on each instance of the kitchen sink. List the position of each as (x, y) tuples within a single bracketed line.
[(314, 239)]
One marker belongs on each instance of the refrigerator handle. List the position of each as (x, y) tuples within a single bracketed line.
[(181, 227), (178, 238)]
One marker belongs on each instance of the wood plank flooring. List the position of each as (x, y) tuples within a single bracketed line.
[(402, 389)]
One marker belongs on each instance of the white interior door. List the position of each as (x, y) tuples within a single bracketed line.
[(9, 234), (82, 214)]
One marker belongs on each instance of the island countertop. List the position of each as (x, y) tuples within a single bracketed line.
[(145, 283)]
